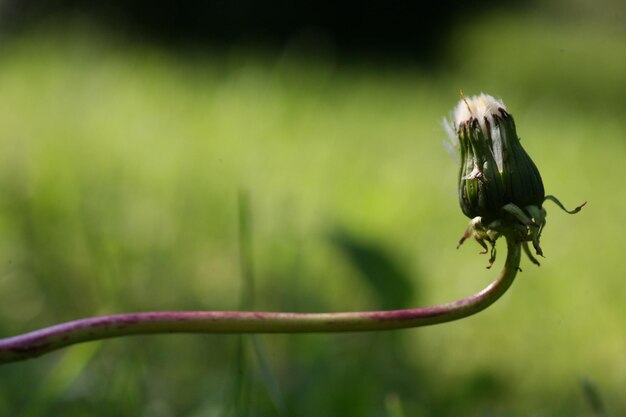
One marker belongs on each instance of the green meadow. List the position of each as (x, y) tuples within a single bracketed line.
[(125, 171)]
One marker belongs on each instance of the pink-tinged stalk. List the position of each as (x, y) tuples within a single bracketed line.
[(40, 342)]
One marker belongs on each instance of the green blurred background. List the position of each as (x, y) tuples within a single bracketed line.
[(126, 166)]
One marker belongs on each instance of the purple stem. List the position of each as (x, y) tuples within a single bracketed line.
[(39, 342)]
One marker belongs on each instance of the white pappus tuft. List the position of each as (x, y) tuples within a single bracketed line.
[(477, 107)]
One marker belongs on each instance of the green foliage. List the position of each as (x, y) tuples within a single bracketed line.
[(119, 172), (391, 286)]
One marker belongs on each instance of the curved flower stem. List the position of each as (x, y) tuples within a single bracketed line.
[(36, 343)]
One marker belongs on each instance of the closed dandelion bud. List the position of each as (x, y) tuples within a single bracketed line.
[(499, 186), (495, 169)]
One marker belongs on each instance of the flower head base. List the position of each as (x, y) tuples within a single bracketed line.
[(499, 186)]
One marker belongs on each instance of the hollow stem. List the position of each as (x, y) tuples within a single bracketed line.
[(40, 342)]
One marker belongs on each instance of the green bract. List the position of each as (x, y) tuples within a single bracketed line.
[(499, 186)]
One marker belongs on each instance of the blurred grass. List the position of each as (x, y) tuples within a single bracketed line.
[(119, 173)]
